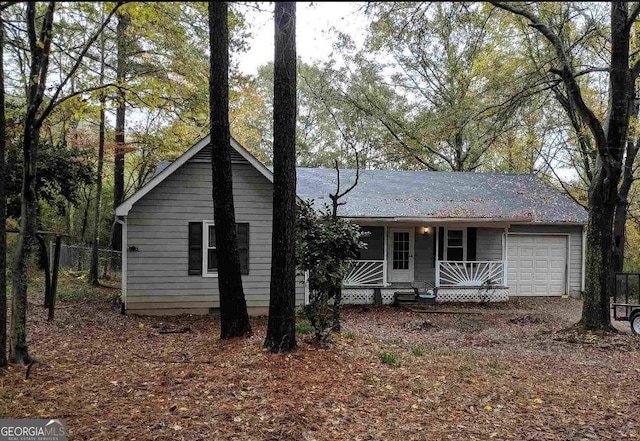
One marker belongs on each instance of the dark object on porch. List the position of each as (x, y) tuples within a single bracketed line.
[(377, 297), (626, 299), (417, 296)]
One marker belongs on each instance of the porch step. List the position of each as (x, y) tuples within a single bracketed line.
[(408, 298)]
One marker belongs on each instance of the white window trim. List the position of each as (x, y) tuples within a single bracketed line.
[(205, 248), (464, 242)]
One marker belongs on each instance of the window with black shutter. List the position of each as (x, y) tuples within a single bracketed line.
[(204, 249), (195, 248)]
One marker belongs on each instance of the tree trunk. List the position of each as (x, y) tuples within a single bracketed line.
[(118, 164), (281, 336), (38, 69), (596, 312), (28, 214), (94, 278), (85, 218), (234, 318), (620, 219), (44, 263), (3, 209)]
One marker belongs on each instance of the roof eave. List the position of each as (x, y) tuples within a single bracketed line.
[(445, 220)]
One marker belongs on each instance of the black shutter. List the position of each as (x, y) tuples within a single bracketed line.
[(243, 247), (472, 233), (440, 250), (195, 248)]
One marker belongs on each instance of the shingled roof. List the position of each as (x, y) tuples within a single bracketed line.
[(441, 195)]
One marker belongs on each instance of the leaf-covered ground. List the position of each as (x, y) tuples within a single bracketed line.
[(508, 372)]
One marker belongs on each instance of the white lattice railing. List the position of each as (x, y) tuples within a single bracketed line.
[(471, 273), (365, 273)]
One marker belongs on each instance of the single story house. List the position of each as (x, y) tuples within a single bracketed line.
[(457, 231), (474, 236)]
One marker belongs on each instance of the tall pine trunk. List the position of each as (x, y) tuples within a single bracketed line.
[(281, 336), (3, 209), (118, 157), (234, 318), (94, 278)]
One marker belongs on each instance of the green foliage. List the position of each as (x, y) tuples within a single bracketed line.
[(387, 358), (417, 351), (304, 328), (324, 246), (61, 174), (114, 299), (349, 335)]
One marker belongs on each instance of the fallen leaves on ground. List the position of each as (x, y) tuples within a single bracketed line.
[(510, 373)]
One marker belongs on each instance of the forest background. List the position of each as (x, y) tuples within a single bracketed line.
[(417, 86)]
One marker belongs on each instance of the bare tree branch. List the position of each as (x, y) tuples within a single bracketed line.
[(54, 100), (566, 72)]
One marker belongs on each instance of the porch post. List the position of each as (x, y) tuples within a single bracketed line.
[(437, 233), (504, 256), (384, 259)]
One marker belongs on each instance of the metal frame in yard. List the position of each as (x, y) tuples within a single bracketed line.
[(626, 299)]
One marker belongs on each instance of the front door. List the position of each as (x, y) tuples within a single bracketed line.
[(400, 258)]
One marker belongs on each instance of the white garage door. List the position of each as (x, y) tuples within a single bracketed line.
[(536, 265)]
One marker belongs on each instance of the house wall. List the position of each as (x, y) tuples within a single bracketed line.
[(575, 248), (157, 273), (424, 257)]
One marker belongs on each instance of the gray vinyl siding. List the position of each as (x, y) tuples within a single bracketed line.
[(424, 264), (158, 227), (575, 248), (489, 244)]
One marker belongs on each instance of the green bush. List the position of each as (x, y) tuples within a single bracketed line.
[(387, 358), (304, 328), (417, 351), (324, 246)]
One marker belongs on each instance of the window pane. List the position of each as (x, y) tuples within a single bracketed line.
[(454, 238), (400, 250), (212, 260), (454, 253), (212, 236)]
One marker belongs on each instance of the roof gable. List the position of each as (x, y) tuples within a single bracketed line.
[(124, 208)]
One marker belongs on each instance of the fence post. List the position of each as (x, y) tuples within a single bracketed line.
[(54, 278), (51, 255)]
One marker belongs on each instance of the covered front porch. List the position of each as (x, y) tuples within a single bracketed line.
[(462, 262)]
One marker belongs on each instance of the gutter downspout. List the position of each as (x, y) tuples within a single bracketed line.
[(123, 263)]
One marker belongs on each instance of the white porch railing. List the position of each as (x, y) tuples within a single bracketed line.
[(365, 273), (451, 273)]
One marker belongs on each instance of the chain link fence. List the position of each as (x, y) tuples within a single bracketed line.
[(78, 258)]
